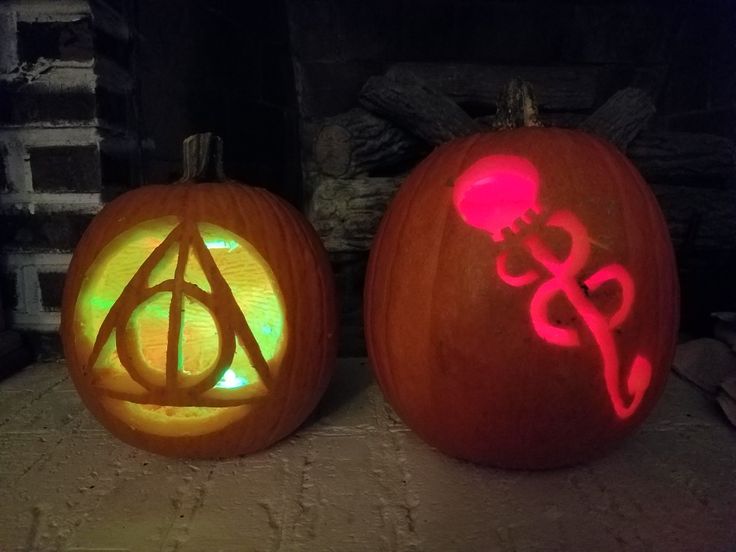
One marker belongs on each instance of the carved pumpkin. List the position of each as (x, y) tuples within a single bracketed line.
[(199, 318), (521, 300)]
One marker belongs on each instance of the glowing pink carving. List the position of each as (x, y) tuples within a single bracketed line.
[(498, 194), (496, 191)]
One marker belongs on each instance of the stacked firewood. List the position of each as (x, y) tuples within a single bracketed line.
[(360, 157)]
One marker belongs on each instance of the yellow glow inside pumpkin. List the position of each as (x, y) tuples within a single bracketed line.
[(256, 295), (199, 342)]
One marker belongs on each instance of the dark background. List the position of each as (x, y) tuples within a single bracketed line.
[(254, 72), (224, 67), (265, 75)]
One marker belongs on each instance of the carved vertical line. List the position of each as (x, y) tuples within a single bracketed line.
[(174, 339)]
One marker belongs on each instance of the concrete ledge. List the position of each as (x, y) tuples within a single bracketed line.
[(355, 479)]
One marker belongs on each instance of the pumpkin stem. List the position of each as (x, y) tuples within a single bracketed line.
[(203, 158), (516, 106)]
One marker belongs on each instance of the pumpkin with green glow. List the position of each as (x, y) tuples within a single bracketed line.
[(521, 300), (199, 318)]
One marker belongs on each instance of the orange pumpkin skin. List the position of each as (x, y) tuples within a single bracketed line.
[(453, 345), (299, 372)]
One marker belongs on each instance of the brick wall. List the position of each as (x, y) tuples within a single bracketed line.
[(68, 142)]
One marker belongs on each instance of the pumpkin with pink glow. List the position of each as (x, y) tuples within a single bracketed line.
[(521, 300)]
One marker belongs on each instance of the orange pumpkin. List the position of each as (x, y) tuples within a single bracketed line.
[(521, 300), (199, 318)]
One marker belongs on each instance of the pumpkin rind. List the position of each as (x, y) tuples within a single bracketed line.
[(300, 368), (452, 344)]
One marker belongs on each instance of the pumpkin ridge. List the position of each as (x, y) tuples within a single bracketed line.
[(416, 189), (379, 243)]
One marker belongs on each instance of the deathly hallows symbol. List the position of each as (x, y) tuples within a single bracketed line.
[(147, 384)]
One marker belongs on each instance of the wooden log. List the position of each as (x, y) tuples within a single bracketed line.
[(683, 156), (417, 108), (622, 117), (346, 213), (357, 141), (699, 218), (350, 145), (557, 88)]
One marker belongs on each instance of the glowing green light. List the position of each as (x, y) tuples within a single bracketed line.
[(221, 244), (245, 272), (253, 287), (231, 380), (115, 267), (101, 303), (195, 274)]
